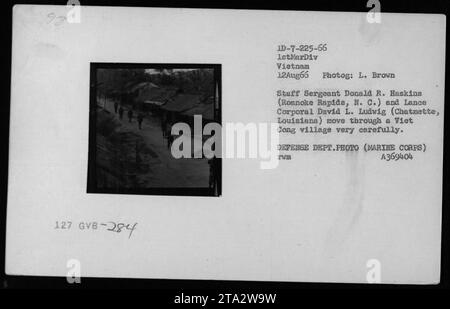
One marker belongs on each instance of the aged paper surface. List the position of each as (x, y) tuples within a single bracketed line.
[(355, 195)]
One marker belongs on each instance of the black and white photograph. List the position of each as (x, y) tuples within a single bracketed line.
[(133, 108)]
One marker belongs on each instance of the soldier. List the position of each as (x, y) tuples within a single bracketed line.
[(116, 106)]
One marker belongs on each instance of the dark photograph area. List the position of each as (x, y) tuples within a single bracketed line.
[(132, 110)]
